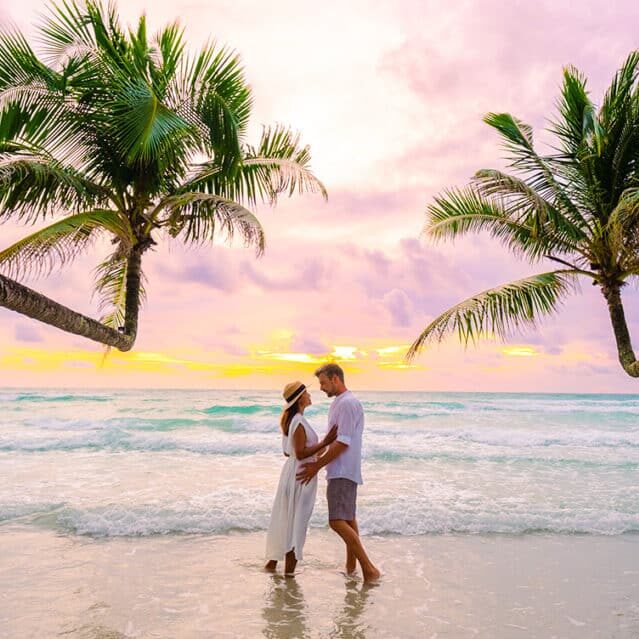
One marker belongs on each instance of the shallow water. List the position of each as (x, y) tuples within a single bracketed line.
[(203, 586), (120, 463)]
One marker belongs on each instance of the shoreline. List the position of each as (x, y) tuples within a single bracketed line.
[(277, 391), (196, 586)]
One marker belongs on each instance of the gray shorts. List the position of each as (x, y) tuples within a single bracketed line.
[(341, 495)]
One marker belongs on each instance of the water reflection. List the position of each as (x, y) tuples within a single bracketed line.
[(348, 623), (287, 615), (285, 610)]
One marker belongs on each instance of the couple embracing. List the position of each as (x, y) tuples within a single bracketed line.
[(341, 452)]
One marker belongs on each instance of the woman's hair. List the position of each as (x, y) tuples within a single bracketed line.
[(287, 416)]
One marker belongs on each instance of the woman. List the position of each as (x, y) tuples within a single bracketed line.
[(294, 501)]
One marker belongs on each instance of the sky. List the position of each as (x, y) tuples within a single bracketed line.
[(389, 96)]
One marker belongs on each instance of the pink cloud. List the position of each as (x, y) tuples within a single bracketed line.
[(391, 108)]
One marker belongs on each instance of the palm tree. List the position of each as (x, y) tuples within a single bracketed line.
[(133, 139), (577, 207)]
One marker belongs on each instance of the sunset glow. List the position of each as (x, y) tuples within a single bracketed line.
[(391, 109)]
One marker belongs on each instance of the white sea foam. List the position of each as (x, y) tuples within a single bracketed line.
[(401, 517), (150, 462)]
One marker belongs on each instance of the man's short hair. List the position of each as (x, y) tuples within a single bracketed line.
[(331, 370)]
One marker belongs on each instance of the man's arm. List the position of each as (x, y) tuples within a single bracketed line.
[(302, 451), (308, 471)]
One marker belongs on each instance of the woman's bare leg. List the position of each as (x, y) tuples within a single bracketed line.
[(290, 563)]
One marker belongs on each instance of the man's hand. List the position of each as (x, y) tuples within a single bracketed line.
[(308, 471)]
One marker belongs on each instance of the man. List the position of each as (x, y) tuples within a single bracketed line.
[(343, 461)]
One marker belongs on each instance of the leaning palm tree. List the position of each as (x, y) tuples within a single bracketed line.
[(118, 135), (577, 207)]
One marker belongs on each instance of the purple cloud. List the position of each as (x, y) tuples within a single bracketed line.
[(26, 332), (310, 345), (306, 275), (399, 305)]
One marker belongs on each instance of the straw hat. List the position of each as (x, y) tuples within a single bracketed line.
[(292, 392)]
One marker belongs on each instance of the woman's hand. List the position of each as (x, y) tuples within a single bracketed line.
[(331, 436)]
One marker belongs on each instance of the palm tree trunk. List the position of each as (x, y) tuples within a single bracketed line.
[(132, 299), (26, 301), (626, 353)]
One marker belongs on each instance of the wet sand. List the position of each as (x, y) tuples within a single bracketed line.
[(494, 586)]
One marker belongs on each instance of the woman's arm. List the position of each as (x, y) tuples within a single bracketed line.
[(299, 442)]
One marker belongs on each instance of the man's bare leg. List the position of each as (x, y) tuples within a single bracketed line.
[(290, 563), (351, 560), (271, 566), (354, 545)]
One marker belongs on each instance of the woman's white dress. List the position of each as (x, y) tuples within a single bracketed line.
[(294, 501)]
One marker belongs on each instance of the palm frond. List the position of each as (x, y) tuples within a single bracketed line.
[(577, 113), (32, 187), (211, 89), (538, 171), (19, 65), (279, 164), (619, 116), (501, 310), (524, 203), (66, 33), (61, 242), (166, 53), (200, 217), (461, 211), (32, 87), (144, 127), (620, 93), (622, 230), (110, 285)]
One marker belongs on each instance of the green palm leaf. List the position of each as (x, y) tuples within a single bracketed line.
[(110, 285), (116, 119), (525, 203), (279, 164), (501, 310), (32, 187), (35, 88), (209, 90), (59, 243), (144, 127), (66, 33), (518, 142), (576, 113), (461, 211), (200, 217)]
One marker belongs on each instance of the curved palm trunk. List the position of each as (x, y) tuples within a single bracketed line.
[(26, 301), (132, 299), (622, 335)]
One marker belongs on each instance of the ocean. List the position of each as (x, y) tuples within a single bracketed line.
[(112, 463)]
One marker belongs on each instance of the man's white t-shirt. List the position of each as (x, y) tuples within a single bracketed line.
[(347, 412)]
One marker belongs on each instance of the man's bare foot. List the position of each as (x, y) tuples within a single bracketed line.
[(372, 574), (271, 566), (350, 572)]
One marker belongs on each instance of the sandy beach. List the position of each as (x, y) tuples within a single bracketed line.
[(193, 586), (436, 331), (129, 515), (144, 515)]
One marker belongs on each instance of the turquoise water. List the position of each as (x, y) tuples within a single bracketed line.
[(111, 463)]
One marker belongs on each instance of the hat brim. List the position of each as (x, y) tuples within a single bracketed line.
[(301, 391)]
